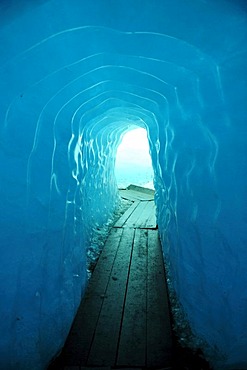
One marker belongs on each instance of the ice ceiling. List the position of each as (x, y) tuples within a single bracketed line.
[(74, 76)]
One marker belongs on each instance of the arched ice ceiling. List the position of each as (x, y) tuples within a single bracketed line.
[(75, 76)]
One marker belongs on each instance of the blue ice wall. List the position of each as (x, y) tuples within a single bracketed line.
[(75, 75)]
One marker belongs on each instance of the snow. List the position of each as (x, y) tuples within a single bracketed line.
[(74, 78)]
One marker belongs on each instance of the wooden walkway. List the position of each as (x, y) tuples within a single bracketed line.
[(123, 320)]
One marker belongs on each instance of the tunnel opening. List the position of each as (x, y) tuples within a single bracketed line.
[(133, 163), (128, 159)]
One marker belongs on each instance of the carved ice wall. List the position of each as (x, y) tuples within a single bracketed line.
[(72, 76)]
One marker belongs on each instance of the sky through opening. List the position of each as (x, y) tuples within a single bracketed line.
[(133, 161)]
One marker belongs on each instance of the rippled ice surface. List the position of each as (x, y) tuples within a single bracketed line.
[(74, 78)]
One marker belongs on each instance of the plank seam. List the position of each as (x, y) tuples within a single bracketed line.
[(110, 273), (130, 210), (125, 296)]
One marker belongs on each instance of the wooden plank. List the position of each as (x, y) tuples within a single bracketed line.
[(127, 195), (140, 214), (140, 189), (123, 324), (105, 343), (132, 344), (79, 341), (135, 195), (143, 216), (133, 220), (151, 220), (159, 339), (122, 220)]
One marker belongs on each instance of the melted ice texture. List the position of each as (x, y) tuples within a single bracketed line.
[(73, 79)]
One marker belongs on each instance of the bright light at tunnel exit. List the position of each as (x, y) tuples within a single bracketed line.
[(133, 161)]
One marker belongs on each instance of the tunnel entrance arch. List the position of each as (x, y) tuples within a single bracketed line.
[(133, 164)]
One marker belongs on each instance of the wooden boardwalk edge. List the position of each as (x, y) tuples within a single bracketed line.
[(123, 320)]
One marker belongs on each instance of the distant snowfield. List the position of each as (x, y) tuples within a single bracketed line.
[(133, 161)]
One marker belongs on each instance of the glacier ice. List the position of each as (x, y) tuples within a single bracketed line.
[(74, 77)]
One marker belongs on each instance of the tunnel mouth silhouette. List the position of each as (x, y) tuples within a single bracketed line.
[(133, 161)]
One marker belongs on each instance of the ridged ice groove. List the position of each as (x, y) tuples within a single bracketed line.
[(69, 91)]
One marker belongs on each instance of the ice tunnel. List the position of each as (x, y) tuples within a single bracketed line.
[(76, 75)]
